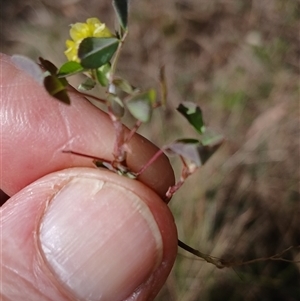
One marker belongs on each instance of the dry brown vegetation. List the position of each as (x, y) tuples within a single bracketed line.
[(239, 60)]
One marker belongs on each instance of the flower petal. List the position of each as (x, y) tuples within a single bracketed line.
[(79, 31), (71, 52)]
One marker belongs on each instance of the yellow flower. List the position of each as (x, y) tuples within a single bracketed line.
[(79, 31)]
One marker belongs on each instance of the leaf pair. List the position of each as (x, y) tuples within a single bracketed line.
[(55, 86), (139, 105), (93, 54), (96, 52), (121, 8), (195, 152)]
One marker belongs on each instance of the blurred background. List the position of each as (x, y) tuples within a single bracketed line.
[(239, 60)]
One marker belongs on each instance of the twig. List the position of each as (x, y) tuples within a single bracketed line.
[(220, 263), (119, 150)]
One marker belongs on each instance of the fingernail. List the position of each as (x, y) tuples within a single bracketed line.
[(28, 66), (100, 240)]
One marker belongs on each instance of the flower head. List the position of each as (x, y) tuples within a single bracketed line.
[(79, 31)]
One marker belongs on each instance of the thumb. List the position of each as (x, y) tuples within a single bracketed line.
[(86, 234)]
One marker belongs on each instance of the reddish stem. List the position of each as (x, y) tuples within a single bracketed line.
[(88, 95), (185, 173), (86, 156), (119, 152), (156, 155), (133, 131)]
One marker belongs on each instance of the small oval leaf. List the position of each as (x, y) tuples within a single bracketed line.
[(123, 85), (193, 150), (87, 85), (140, 105), (50, 67), (188, 149), (56, 88), (96, 52), (210, 138), (116, 105), (69, 68), (121, 8), (102, 74), (208, 150), (193, 114)]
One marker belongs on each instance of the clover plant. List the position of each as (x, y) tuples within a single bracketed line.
[(94, 51)]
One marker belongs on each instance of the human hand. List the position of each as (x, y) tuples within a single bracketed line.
[(71, 231)]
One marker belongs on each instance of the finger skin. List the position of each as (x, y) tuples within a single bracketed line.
[(24, 270), (36, 128)]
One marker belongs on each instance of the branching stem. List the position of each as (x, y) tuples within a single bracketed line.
[(133, 131), (116, 58), (90, 96), (154, 158), (119, 149), (221, 264)]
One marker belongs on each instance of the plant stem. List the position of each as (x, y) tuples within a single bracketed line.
[(90, 96), (197, 253), (116, 58), (133, 131), (119, 152), (156, 155)]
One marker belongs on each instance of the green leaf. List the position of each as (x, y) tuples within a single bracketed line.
[(140, 105), (102, 74), (29, 66), (57, 88), (69, 68), (121, 8), (210, 138), (116, 105), (193, 114), (188, 149), (193, 150), (87, 85), (206, 151), (96, 52), (47, 65), (123, 85)]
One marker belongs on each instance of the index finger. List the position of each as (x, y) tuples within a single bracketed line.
[(35, 129)]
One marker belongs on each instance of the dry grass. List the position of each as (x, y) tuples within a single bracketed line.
[(239, 60)]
